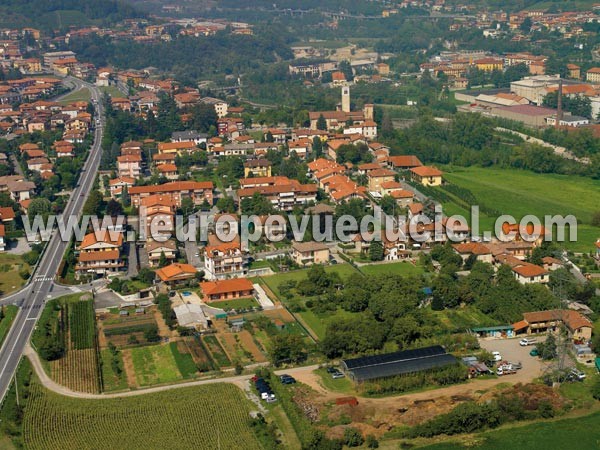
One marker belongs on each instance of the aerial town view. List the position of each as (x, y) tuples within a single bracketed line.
[(273, 225)]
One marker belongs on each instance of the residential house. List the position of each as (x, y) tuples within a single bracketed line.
[(308, 253), (156, 250), (189, 136), (219, 105), (258, 167), (100, 253), (480, 251), (129, 166), (404, 162), (302, 147), (116, 185), (378, 177), (157, 216), (178, 148), (225, 260), (283, 193), (198, 192), (213, 291), (176, 274), (426, 175), (169, 171)]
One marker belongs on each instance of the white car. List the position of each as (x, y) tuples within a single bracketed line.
[(527, 341), (497, 356)]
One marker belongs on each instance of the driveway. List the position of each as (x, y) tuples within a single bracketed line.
[(191, 250), (20, 247)]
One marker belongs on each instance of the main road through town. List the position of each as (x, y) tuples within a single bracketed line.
[(41, 284)]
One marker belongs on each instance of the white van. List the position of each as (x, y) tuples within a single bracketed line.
[(527, 341)]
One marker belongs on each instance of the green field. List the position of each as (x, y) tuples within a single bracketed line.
[(583, 433), (519, 192), (202, 417), (80, 95), (113, 91), (154, 365)]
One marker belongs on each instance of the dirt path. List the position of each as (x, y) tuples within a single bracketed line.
[(163, 329), (129, 369)]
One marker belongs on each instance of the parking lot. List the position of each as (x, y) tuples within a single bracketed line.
[(511, 351)]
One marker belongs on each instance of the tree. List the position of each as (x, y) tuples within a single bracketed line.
[(525, 26), (39, 207), (163, 261), (94, 205), (548, 349), (114, 208), (287, 348), (321, 123), (353, 437), (596, 219), (226, 204), (317, 146), (125, 197), (376, 251)]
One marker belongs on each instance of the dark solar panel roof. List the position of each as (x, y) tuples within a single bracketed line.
[(388, 358), (402, 367)]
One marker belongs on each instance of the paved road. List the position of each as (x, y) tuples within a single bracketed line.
[(41, 285)]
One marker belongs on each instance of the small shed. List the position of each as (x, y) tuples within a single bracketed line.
[(498, 332)]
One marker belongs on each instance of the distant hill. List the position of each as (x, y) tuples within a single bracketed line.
[(60, 14)]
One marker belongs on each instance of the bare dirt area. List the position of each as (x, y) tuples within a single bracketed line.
[(129, 369), (279, 313), (249, 344)]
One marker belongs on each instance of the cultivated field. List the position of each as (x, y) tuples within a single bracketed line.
[(519, 192), (154, 365), (203, 417)]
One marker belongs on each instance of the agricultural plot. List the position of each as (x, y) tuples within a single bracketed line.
[(154, 365), (183, 359), (114, 377), (123, 331), (212, 416), (69, 322), (216, 351)]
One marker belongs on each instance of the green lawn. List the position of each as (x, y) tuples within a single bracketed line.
[(396, 268), (273, 281), (10, 312), (582, 433), (339, 385), (241, 303), (112, 381), (520, 192), (154, 365), (81, 95), (112, 91), (10, 266), (461, 319), (318, 323)]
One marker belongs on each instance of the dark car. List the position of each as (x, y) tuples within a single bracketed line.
[(331, 370), (286, 379)]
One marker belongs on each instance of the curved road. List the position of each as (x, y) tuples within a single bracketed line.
[(41, 285)]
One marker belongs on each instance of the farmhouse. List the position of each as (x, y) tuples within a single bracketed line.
[(227, 289), (578, 326), (398, 363)]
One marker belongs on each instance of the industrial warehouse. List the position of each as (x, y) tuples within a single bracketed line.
[(397, 363)]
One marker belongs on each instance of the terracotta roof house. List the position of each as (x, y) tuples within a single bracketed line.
[(227, 289), (176, 274)]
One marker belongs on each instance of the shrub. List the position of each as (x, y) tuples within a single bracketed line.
[(353, 437)]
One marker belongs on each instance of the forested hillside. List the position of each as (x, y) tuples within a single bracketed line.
[(60, 14)]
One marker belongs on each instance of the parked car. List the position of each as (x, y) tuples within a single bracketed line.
[(337, 374), (287, 379), (516, 365), (527, 341), (534, 352), (332, 369), (576, 375), (497, 356)]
